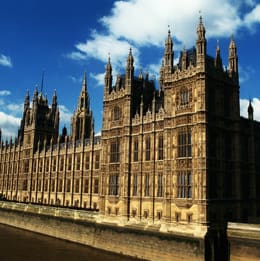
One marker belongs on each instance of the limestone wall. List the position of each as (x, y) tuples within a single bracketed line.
[(82, 227), (244, 241)]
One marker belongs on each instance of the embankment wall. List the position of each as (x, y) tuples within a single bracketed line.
[(82, 227)]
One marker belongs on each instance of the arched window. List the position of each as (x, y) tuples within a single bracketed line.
[(184, 96)]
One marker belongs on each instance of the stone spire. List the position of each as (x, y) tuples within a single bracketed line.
[(129, 71), (81, 124), (54, 101), (108, 77), (83, 102), (26, 101), (201, 45), (218, 60), (233, 59), (250, 111), (168, 54)]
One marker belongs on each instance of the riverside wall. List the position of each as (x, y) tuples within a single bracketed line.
[(244, 241), (84, 227)]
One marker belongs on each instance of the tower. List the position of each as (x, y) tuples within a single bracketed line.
[(168, 54), (233, 60), (250, 111), (40, 122), (201, 46), (82, 121)]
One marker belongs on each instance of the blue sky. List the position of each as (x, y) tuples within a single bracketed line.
[(64, 38)]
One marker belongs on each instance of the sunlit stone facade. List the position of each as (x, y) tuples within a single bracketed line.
[(179, 156)]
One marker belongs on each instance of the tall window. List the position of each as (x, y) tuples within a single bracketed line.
[(136, 149), (47, 163), (115, 152), (160, 148), (113, 184), (184, 96), (68, 185), (184, 144), (147, 185), (96, 186), (78, 162), (86, 186), (135, 185), (97, 159), (184, 184), (77, 186), (61, 163), (54, 164), (87, 162), (160, 185), (147, 148), (116, 113), (60, 185), (69, 162)]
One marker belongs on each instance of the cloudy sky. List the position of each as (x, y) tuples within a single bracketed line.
[(64, 38)]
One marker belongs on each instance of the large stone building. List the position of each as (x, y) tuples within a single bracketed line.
[(179, 156)]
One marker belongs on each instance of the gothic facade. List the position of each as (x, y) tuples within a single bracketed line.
[(179, 156)]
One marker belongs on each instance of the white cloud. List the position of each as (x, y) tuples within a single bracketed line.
[(78, 56), (75, 79), (5, 93), (144, 23), (99, 78), (5, 61), (100, 46), (256, 106), (14, 108), (245, 73), (253, 17), (9, 125), (65, 115)]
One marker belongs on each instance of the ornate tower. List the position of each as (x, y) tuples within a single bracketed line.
[(168, 54), (233, 60), (82, 121), (108, 78), (201, 46), (40, 122)]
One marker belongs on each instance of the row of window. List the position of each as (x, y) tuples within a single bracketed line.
[(184, 148), (51, 185), (184, 185), (53, 167)]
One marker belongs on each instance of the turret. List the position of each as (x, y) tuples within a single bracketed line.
[(184, 59), (129, 70), (54, 101), (218, 60), (168, 54), (108, 78), (26, 101), (82, 118), (233, 60), (250, 111), (201, 45)]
